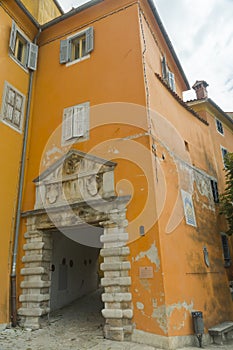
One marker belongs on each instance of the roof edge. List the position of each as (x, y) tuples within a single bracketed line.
[(70, 13), (59, 6), (168, 42), (211, 102), (28, 14)]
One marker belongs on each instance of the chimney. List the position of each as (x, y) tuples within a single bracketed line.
[(200, 89)]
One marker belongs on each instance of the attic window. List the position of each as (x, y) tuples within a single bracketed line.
[(21, 49), (168, 76), (77, 47)]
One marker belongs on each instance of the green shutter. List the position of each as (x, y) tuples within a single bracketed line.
[(89, 39), (13, 36)]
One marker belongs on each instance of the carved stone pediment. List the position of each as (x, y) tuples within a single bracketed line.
[(75, 177)]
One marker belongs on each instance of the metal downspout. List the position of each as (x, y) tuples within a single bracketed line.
[(19, 199)]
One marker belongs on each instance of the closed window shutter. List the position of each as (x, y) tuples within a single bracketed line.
[(79, 121), (13, 36), (67, 126), (64, 51), (32, 56), (89, 39)]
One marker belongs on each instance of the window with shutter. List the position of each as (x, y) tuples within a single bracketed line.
[(226, 250), (12, 107), (167, 75), (75, 125), (214, 187), (219, 127), (77, 47), (21, 49), (224, 153)]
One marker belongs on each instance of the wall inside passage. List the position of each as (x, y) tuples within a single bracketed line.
[(74, 270)]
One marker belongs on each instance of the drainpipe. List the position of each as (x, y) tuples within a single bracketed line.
[(19, 199)]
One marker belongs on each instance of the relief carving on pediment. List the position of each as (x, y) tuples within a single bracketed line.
[(76, 177)]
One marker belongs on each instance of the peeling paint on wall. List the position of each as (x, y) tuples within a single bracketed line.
[(140, 306), (204, 188), (162, 314), (159, 314), (152, 255)]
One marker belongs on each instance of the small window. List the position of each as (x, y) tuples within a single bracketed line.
[(77, 47), (219, 127), (226, 250), (224, 153), (214, 186), (21, 49), (12, 107), (75, 126), (168, 76)]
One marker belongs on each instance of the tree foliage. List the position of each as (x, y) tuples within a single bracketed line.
[(226, 199)]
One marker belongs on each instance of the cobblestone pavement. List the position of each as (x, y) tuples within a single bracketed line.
[(76, 327)]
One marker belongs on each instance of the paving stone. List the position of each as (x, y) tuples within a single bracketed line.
[(79, 326)]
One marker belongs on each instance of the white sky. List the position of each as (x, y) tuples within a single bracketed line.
[(201, 32)]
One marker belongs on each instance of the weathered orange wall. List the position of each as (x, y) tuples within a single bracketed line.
[(188, 283), (10, 147)]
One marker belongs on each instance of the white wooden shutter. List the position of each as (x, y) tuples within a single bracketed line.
[(171, 80), (79, 121), (67, 125), (32, 56), (64, 51), (164, 68), (89, 39), (13, 36)]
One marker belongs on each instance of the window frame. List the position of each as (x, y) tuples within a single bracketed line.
[(223, 149), (217, 123), (3, 117), (70, 132), (226, 250), (168, 75), (30, 49), (215, 191), (67, 46)]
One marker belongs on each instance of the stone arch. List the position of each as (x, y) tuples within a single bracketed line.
[(78, 188)]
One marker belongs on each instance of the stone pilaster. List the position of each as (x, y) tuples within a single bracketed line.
[(36, 282), (117, 298)]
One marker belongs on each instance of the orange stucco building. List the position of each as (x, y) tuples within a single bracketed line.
[(109, 171)]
